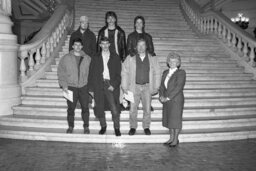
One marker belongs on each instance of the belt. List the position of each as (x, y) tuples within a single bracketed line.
[(141, 83)]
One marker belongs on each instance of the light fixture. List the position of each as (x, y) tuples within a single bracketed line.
[(240, 20)]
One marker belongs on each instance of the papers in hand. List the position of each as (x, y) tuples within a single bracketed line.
[(68, 95), (129, 96)]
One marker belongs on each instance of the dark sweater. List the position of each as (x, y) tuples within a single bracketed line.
[(142, 70), (88, 39)]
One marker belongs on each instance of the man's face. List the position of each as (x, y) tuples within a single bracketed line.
[(77, 46), (111, 20), (139, 24), (83, 25), (141, 47), (104, 45)]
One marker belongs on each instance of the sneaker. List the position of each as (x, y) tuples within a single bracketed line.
[(147, 131), (103, 130), (117, 132), (132, 131), (86, 130), (69, 130)]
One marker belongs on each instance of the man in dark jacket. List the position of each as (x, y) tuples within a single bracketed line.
[(104, 82), (87, 36), (115, 35), (139, 33), (73, 72)]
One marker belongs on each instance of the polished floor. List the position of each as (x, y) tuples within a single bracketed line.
[(19, 155)]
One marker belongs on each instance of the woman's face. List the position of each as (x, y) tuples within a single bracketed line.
[(173, 63)]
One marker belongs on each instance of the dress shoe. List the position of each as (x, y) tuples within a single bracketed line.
[(174, 145), (117, 132), (167, 143), (69, 130), (86, 130), (132, 131), (147, 131), (103, 130)]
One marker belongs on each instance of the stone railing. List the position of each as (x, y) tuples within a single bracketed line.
[(214, 22), (41, 48)]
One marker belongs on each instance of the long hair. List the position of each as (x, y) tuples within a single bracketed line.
[(143, 21), (110, 14)]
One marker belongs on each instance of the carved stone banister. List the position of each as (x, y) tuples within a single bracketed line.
[(42, 49), (239, 43)]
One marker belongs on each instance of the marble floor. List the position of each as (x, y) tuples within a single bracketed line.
[(21, 155)]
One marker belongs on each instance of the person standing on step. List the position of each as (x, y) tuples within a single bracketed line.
[(105, 78), (139, 33), (172, 97), (73, 72), (115, 34), (141, 75), (87, 36)]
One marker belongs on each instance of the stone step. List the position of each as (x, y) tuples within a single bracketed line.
[(78, 136), (189, 84), (124, 126), (192, 77), (156, 115), (189, 102), (194, 69), (39, 91)]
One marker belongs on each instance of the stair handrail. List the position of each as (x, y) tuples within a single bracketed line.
[(213, 4), (214, 22), (41, 48)]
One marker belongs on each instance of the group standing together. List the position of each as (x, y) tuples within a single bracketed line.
[(98, 71)]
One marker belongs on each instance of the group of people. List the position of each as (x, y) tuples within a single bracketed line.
[(102, 71)]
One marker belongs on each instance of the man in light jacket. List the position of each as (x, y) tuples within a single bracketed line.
[(141, 75), (73, 71)]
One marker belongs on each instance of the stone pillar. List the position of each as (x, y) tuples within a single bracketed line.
[(10, 91)]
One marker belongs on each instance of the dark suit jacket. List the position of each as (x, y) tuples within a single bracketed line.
[(96, 79)]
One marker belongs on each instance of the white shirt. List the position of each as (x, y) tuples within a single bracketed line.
[(105, 56), (142, 57), (171, 71)]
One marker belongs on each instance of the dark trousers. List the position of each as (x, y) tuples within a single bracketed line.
[(82, 95), (109, 96)]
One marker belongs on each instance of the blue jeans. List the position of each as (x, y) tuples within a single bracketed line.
[(142, 92), (112, 105)]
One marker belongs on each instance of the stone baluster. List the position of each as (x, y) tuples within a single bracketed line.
[(239, 47), (220, 30), (208, 25), (43, 52), (224, 32), (37, 58), (48, 48), (31, 62), (245, 52), (252, 56), (23, 68), (229, 41), (202, 24), (215, 26), (51, 44), (54, 39), (234, 42), (211, 25), (205, 25)]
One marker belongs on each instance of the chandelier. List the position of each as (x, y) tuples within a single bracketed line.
[(240, 20)]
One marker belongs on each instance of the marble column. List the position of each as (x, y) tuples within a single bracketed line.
[(10, 91)]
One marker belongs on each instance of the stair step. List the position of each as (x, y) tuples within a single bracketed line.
[(39, 91), (189, 102), (156, 115), (77, 136), (189, 84)]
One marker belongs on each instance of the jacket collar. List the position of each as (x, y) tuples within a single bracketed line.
[(82, 54)]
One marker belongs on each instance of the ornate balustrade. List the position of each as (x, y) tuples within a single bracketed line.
[(41, 48), (214, 22)]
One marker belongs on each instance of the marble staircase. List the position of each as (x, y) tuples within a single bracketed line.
[(220, 97)]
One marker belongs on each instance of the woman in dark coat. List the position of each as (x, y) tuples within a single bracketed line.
[(172, 97)]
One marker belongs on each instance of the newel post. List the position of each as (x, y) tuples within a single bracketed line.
[(10, 91)]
